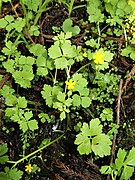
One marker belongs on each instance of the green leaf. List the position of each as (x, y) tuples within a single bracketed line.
[(62, 115), (19, 24), (3, 176), (61, 63), (127, 172), (132, 55), (33, 125), (68, 50), (9, 18), (58, 105), (23, 126), (68, 35), (106, 170), (38, 50), (126, 51), (41, 61), (84, 144), (108, 56), (92, 43), (28, 115), (47, 94), (13, 174), (68, 102), (4, 159), (9, 49), (42, 71), (61, 97), (11, 100), (3, 23), (120, 159), (23, 78), (68, 27), (86, 101), (95, 127), (54, 52), (3, 151), (76, 100), (91, 139), (85, 130), (45, 117), (22, 102), (101, 145), (9, 112), (34, 30), (130, 158), (15, 117), (30, 60)]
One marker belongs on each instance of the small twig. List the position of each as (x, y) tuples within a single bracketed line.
[(4, 79), (129, 78), (28, 35), (119, 99), (117, 122)]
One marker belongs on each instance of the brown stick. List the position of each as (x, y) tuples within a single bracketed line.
[(129, 78), (117, 122), (4, 79)]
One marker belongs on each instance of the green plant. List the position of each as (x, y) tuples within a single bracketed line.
[(70, 5), (17, 110), (74, 76), (107, 114), (68, 27), (123, 167), (91, 139), (32, 5), (11, 174), (3, 151)]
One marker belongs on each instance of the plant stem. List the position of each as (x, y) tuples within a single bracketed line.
[(33, 103), (70, 7), (33, 153), (25, 13), (68, 121), (55, 77), (68, 73), (125, 35), (34, 109), (43, 162), (42, 9), (99, 33), (0, 6), (14, 9), (82, 67), (80, 6)]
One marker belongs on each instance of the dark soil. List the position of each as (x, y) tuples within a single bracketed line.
[(61, 160)]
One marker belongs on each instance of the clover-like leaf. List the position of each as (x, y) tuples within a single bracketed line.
[(61, 63), (54, 52), (91, 139), (76, 100), (68, 27), (86, 101), (38, 50)]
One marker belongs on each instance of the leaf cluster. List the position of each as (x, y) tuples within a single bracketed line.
[(16, 110), (91, 139), (123, 167)]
